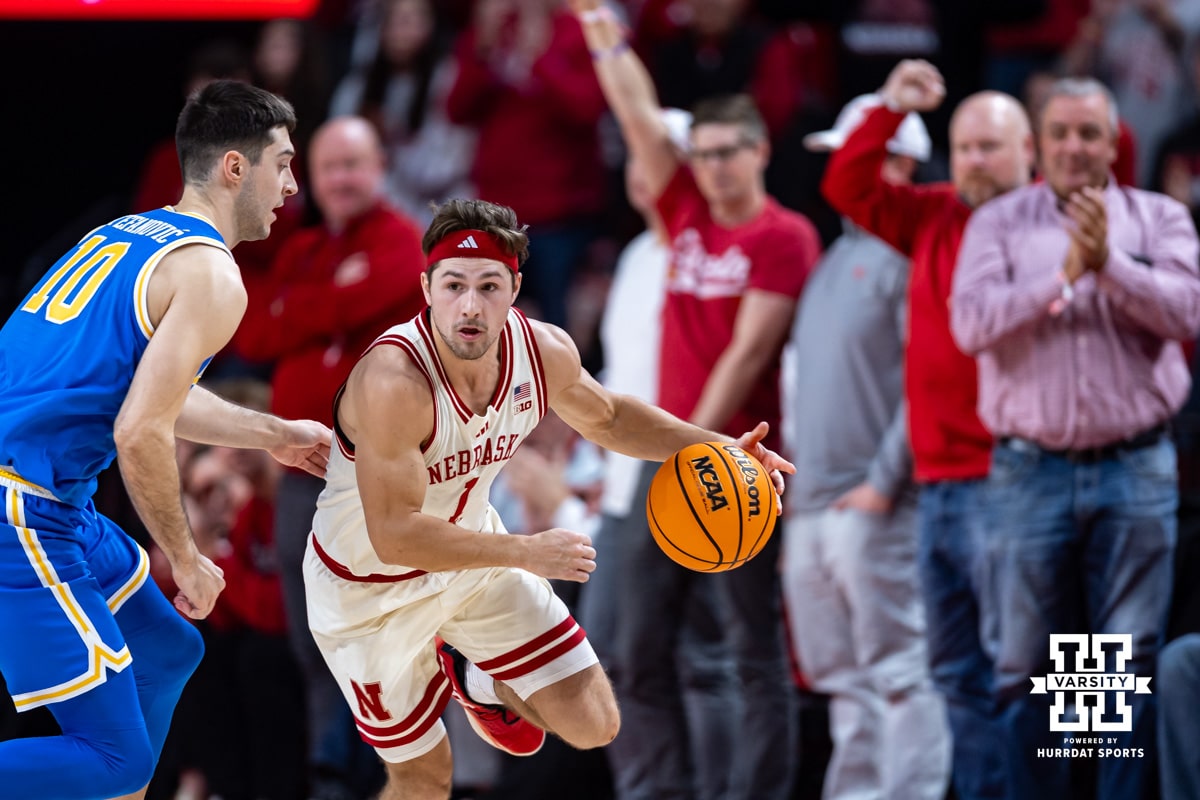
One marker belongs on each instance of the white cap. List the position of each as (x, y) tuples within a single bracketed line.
[(911, 138), (679, 126)]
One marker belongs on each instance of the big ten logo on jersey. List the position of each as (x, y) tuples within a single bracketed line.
[(522, 398), (489, 451)]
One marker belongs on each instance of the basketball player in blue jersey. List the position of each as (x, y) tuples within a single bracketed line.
[(99, 362), (406, 547)]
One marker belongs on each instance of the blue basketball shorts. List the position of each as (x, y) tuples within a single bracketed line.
[(64, 572)]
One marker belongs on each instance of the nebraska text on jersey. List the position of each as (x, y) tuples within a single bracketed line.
[(495, 448)]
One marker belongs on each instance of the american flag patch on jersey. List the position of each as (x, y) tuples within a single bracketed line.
[(521, 394)]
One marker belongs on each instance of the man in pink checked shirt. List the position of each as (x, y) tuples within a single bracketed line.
[(1074, 294)]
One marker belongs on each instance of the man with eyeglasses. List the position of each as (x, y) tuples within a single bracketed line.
[(738, 262)]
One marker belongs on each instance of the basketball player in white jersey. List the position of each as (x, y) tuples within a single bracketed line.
[(405, 547)]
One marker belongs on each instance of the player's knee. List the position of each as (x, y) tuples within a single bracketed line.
[(182, 648), (597, 727), (124, 763), (137, 771), (188, 651)]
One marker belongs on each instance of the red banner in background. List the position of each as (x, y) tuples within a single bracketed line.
[(155, 9)]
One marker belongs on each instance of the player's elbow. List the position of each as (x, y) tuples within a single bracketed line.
[(133, 436), (125, 435)]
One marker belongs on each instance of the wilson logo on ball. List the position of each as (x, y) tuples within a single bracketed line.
[(711, 507), (750, 473)]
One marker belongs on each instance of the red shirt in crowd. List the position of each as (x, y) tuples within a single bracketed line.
[(925, 223), (328, 296), (538, 149), (711, 267)]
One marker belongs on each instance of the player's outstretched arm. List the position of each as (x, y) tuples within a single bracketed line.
[(196, 299), (387, 411), (623, 423), (630, 93), (209, 419)]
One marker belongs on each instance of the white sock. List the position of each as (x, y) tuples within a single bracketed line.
[(481, 687)]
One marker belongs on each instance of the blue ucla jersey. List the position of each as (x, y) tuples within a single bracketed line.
[(68, 353)]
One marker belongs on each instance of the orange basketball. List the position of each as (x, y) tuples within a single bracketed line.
[(711, 507)]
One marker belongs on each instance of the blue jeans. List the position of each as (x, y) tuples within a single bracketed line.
[(960, 625), (1178, 731), (1078, 548)]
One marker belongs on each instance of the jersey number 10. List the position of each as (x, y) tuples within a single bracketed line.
[(69, 297)]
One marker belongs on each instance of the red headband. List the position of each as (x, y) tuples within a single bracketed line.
[(471, 244)]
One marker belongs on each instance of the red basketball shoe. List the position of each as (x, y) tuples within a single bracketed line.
[(499, 726)]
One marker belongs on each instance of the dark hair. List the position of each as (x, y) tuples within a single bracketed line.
[(476, 215), (227, 115), (382, 70), (731, 109)]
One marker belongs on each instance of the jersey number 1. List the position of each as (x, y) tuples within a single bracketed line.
[(66, 279)]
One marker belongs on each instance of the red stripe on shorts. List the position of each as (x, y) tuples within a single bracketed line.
[(506, 662), (542, 659)]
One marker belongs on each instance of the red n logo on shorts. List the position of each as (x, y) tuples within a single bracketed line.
[(370, 701)]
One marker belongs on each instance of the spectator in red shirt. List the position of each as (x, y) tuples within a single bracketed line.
[(737, 265), (332, 289), (991, 153), (525, 81)]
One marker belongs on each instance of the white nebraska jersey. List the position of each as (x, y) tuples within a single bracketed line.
[(463, 456)]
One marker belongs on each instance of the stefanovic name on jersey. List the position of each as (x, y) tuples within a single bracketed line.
[(490, 451), (159, 231)]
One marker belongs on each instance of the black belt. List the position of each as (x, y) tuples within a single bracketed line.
[(1091, 455)]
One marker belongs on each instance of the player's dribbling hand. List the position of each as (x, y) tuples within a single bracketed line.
[(751, 442), (306, 446), (199, 584), (914, 85), (560, 554)]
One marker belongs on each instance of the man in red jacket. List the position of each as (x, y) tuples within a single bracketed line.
[(333, 288), (991, 153)]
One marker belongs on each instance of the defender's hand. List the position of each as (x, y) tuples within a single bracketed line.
[(305, 445), (199, 584)]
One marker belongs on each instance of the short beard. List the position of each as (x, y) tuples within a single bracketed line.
[(459, 352)]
